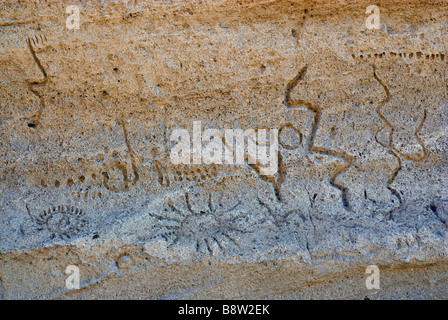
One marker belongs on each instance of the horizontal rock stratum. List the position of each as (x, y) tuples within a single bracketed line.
[(354, 106)]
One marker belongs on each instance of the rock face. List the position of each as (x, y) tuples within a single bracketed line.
[(87, 174)]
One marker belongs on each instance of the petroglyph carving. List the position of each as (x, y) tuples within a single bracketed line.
[(388, 134), (346, 158), (208, 231), (389, 142), (407, 56), (62, 221), (33, 42)]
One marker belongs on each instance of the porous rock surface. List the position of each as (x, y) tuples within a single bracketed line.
[(85, 171)]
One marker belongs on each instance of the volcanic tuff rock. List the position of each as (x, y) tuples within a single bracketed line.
[(86, 117)]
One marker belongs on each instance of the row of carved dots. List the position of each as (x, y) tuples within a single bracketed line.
[(195, 174), (85, 194), (411, 55), (70, 181)]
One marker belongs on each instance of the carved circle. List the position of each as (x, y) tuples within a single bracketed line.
[(294, 136)]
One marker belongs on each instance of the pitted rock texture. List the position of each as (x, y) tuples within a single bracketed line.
[(86, 178)]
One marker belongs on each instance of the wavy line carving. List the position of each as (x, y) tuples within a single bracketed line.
[(32, 42), (389, 146), (346, 158)]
